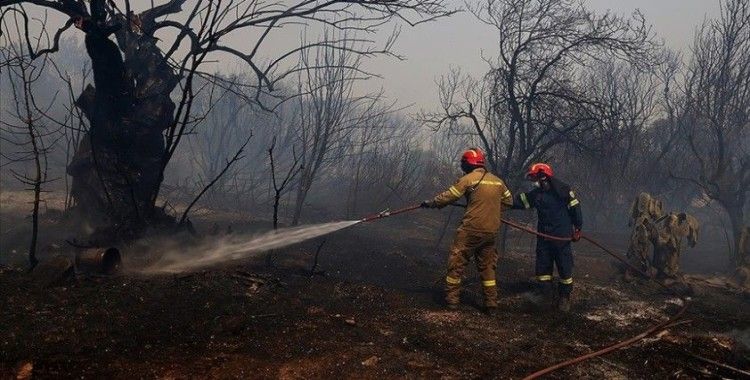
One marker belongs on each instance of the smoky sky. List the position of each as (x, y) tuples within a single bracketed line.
[(431, 49), (462, 41)]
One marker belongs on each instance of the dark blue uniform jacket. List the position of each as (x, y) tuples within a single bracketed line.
[(558, 209)]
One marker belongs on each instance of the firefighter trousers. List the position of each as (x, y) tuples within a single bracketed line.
[(550, 254), (481, 245)]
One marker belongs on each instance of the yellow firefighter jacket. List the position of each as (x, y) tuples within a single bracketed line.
[(484, 200)]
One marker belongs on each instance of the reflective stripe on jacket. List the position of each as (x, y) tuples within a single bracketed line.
[(484, 200), (558, 209)]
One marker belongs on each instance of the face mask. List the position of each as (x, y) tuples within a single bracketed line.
[(536, 184)]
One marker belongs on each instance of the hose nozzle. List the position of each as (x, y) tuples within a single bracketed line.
[(387, 212)]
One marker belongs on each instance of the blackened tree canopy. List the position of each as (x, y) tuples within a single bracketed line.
[(139, 106)]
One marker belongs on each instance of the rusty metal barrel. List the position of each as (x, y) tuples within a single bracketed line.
[(99, 260)]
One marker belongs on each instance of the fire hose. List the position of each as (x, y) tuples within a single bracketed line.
[(616, 346), (387, 212), (613, 347)]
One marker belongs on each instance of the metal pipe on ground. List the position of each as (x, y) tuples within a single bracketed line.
[(99, 260)]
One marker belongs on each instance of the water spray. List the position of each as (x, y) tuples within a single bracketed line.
[(233, 248), (240, 247)]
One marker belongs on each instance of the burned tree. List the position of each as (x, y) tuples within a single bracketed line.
[(329, 111), (280, 187), (226, 122), (616, 151), (373, 135), (398, 169), (531, 99), (139, 107), (227, 164), (714, 123), (25, 127)]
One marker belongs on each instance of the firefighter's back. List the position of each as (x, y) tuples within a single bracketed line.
[(484, 202)]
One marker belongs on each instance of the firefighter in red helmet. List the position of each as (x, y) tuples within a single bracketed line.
[(558, 214), (485, 194)]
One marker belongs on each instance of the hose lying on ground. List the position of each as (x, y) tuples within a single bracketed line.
[(616, 346), (613, 347)]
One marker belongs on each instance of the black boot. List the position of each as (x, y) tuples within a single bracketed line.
[(547, 290)]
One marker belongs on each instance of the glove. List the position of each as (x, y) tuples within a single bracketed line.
[(576, 235), (427, 204)]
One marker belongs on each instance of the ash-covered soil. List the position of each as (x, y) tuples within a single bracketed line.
[(375, 312)]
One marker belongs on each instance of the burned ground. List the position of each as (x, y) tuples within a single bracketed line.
[(374, 313)]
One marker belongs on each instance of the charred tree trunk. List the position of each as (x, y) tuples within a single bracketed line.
[(38, 174), (38, 178), (299, 202), (737, 219), (116, 169)]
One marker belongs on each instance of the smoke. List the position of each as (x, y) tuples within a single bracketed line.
[(238, 247)]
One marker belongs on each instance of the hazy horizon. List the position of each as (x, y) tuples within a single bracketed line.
[(430, 49)]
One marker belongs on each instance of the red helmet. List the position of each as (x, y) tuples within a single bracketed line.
[(540, 169), (473, 157)]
